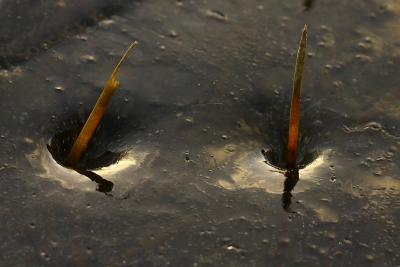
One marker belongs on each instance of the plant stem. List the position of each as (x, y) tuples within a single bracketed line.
[(95, 116), (295, 105)]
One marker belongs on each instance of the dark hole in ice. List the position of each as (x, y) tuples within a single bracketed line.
[(309, 137), (95, 155), (278, 160), (106, 147), (316, 127)]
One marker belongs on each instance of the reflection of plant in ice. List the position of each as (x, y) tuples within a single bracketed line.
[(272, 158), (292, 176), (104, 186)]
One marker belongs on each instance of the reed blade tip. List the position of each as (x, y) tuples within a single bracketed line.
[(303, 39), (304, 30)]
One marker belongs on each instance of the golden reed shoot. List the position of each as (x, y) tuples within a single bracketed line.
[(94, 118), (295, 105)]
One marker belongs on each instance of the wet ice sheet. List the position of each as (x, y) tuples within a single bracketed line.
[(29, 28), (209, 81)]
